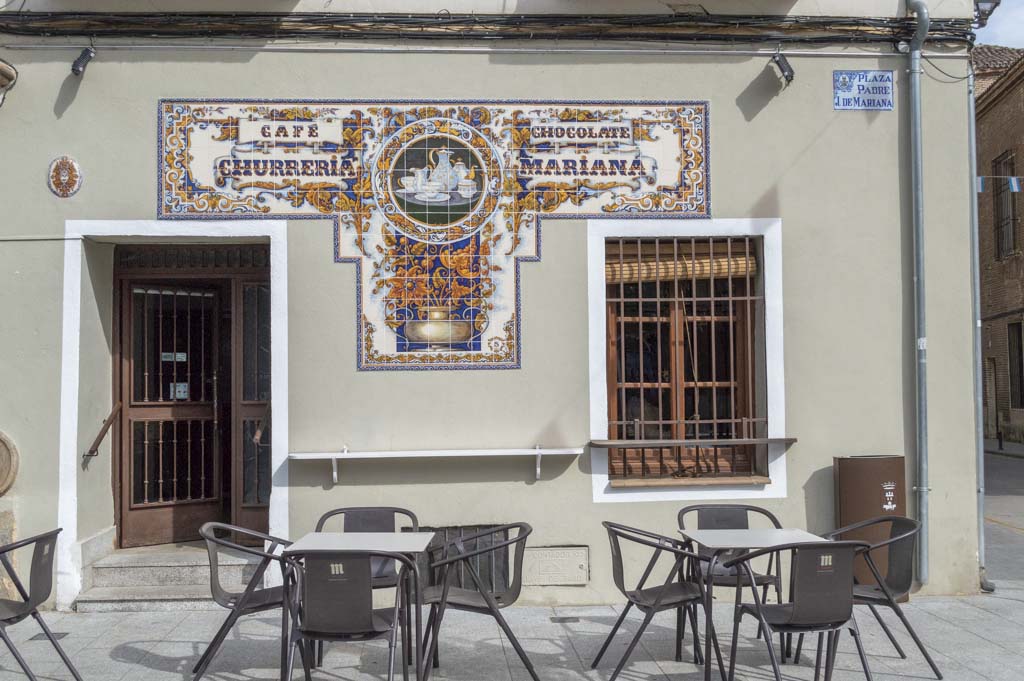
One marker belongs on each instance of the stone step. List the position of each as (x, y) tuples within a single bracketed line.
[(171, 565), (145, 598)]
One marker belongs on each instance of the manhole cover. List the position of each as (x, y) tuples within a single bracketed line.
[(565, 620)]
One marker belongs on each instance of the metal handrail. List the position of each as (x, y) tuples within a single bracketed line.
[(107, 422)]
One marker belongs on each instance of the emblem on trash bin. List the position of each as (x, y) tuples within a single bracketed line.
[(889, 496)]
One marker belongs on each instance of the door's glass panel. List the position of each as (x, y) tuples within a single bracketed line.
[(255, 464), (256, 342), (172, 460)]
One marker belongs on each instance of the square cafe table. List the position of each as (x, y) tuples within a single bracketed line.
[(408, 543), (722, 541)]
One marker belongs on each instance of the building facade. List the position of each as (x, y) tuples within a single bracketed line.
[(1000, 145), (533, 279)]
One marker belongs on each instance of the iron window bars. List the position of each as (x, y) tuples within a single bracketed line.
[(685, 345), (1004, 208)]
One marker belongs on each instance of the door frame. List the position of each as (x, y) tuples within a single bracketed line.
[(69, 544)]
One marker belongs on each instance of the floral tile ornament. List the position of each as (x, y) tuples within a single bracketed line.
[(437, 203)]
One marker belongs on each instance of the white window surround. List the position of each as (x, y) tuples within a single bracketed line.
[(69, 561), (770, 230)]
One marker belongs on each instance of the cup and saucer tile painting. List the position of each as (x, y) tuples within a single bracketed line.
[(436, 202)]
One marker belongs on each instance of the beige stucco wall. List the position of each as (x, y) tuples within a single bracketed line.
[(836, 179)]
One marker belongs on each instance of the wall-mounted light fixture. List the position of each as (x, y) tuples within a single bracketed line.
[(8, 77), (78, 66), (785, 68)]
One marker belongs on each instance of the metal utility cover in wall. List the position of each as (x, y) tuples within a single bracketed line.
[(556, 566)]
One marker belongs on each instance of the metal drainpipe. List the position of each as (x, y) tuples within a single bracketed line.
[(979, 424), (920, 9)]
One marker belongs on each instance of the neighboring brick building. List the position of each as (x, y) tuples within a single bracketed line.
[(1000, 111)]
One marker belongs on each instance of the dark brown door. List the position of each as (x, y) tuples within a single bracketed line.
[(250, 469), (172, 450)]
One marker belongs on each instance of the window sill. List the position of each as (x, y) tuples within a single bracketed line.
[(732, 481)]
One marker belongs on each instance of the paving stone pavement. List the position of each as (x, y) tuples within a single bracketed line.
[(972, 638)]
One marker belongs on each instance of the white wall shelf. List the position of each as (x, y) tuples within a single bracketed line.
[(334, 457)]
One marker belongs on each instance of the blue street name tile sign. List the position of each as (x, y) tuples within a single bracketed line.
[(862, 90)]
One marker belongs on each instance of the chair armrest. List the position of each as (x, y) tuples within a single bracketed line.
[(29, 541)]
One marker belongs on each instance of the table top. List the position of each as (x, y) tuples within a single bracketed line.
[(392, 542), (752, 539)]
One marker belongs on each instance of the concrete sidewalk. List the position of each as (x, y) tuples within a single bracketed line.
[(972, 638)]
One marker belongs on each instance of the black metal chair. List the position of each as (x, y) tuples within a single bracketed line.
[(821, 601), (331, 599), (899, 576), (736, 517), (460, 554), (372, 519), (256, 597), (681, 591), (44, 546)]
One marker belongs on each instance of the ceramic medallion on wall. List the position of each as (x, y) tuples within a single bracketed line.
[(437, 203)]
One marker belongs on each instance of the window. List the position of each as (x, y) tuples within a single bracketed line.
[(1004, 205), (685, 338), (1014, 336)]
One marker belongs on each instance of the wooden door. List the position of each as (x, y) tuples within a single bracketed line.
[(250, 467), (171, 448)]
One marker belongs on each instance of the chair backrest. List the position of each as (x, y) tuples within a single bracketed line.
[(336, 591), (219, 540), (892, 540), (371, 519), (724, 516), (44, 546), (483, 552), (617, 534), (368, 518), (822, 586)]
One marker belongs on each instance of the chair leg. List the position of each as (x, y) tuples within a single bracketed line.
[(60, 651), (632, 644), (17, 655), (855, 632), (830, 657), (698, 656), (817, 657), (204, 661), (611, 635), (392, 644), (887, 630), (515, 643), (913, 634), (733, 645), (771, 650), (306, 654), (718, 653), (799, 646), (680, 628)]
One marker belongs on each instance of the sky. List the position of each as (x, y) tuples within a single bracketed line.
[(1006, 26)]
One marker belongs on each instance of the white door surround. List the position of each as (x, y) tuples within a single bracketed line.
[(69, 552)]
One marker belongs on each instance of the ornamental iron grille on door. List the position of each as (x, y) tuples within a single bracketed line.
[(685, 360)]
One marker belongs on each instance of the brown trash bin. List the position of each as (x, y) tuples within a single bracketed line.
[(868, 487)]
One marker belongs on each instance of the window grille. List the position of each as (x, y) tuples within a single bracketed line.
[(685, 359), (1004, 205), (1015, 352)]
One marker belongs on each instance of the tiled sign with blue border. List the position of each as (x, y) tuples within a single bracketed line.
[(436, 202), (863, 90)]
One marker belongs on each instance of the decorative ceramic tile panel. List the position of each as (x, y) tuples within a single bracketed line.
[(437, 203)]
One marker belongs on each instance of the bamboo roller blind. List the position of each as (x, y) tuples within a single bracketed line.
[(650, 268)]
